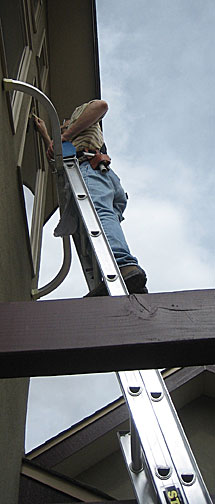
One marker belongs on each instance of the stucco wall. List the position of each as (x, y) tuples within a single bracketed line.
[(16, 277), (15, 271), (15, 256), (13, 395)]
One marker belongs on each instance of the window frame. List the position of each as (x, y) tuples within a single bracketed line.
[(14, 99), (36, 224), (35, 13), (43, 75)]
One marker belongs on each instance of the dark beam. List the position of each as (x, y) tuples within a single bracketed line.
[(107, 334)]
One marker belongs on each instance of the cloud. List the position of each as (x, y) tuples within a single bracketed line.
[(165, 224), (69, 399), (165, 247), (158, 76)]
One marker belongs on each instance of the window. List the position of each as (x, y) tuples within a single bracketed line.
[(33, 158), (42, 62), (35, 11), (15, 45), (34, 177), (29, 204)]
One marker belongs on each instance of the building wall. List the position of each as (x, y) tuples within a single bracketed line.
[(15, 255), (198, 420), (33, 50), (34, 492), (13, 396), (15, 261)]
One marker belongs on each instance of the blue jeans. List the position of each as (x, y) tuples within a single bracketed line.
[(110, 202)]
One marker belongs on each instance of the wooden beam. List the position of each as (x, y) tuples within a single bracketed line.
[(107, 334)]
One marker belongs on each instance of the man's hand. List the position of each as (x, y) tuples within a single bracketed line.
[(41, 126)]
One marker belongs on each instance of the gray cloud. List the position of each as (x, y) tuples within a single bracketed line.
[(158, 76), (63, 401)]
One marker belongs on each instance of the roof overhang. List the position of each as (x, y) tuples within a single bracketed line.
[(73, 63), (73, 53)]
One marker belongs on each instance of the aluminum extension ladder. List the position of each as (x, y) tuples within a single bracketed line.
[(160, 462)]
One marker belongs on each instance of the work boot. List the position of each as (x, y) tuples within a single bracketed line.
[(135, 280)]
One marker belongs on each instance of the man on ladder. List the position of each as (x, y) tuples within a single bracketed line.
[(160, 462), (84, 131)]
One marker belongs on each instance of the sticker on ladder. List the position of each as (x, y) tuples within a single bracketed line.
[(173, 495)]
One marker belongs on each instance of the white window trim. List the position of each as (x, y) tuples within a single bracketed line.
[(37, 221), (15, 103), (17, 98), (35, 14), (43, 78)]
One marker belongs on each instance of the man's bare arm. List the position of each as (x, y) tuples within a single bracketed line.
[(92, 114), (42, 129)]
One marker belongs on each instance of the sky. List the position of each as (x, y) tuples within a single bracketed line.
[(158, 77)]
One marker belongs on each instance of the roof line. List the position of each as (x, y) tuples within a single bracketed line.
[(62, 483), (55, 440), (74, 429)]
